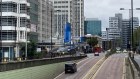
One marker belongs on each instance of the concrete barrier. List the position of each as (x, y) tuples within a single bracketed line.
[(38, 62), (135, 70)]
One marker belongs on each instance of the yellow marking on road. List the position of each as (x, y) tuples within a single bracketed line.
[(93, 70), (93, 77), (124, 70)]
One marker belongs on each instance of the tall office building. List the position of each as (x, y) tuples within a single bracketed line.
[(115, 26), (14, 26), (127, 31), (135, 23), (50, 20), (120, 18), (44, 18), (71, 11), (34, 13), (79, 17), (114, 30), (63, 13), (93, 26)]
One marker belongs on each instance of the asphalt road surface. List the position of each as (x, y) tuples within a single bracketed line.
[(82, 67), (112, 68)]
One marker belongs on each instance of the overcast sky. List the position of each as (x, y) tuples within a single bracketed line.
[(103, 9)]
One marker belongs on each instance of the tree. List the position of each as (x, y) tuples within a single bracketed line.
[(92, 41), (31, 49), (136, 36)]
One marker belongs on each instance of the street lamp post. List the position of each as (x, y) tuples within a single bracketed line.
[(51, 23), (132, 21), (26, 43), (57, 32), (26, 37), (107, 38), (1, 30), (51, 29), (132, 40)]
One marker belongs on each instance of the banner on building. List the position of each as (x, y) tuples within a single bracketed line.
[(67, 33)]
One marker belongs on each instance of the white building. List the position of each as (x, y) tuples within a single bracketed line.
[(14, 23), (63, 13), (44, 25), (113, 30), (71, 11), (104, 35), (79, 17)]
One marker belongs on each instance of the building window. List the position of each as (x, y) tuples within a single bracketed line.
[(23, 22), (8, 21), (23, 8), (8, 35), (8, 7), (22, 36)]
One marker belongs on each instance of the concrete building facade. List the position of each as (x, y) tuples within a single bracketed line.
[(71, 11), (44, 20), (127, 31), (34, 13), (79, 17), (93, 26), (14, 27), (114, 30)]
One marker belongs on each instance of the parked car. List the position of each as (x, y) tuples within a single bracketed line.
[(70, 67)]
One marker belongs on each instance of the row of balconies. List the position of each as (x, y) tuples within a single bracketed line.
[(15, 14), (18, 1)]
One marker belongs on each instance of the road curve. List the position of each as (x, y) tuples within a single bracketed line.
[(112, 68), (83, 67)]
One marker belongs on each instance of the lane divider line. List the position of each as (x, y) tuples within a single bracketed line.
[(124, 69), (64, 71), (93, 70), (93, 77)]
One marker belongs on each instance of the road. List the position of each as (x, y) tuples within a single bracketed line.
[(112, 68), (83, 67)]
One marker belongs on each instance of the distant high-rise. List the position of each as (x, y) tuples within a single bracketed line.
[(127, 30), (120, 18), (126, 33), (114, 28), (34, 14), (79, 17), (71, 11), (44, 20), (93, 26)]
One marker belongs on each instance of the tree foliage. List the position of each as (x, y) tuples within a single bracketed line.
[(31, 49), (136, 36), (92, 41)]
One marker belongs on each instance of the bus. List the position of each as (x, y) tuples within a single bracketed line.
[(97, 50)]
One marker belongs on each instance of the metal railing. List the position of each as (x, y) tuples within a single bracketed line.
[(135, 69)]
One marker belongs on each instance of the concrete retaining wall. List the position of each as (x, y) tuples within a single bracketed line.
[(32, 63), (30, 70)]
